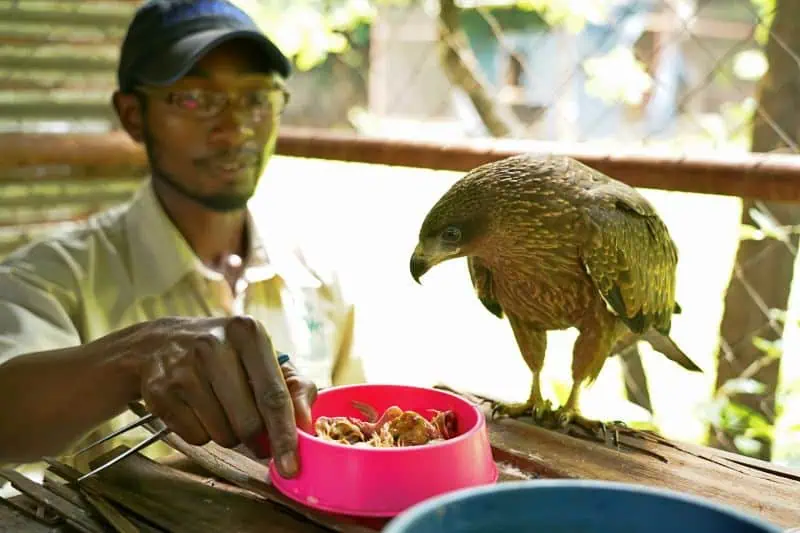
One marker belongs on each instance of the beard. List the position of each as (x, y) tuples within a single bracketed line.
[(219, 202)]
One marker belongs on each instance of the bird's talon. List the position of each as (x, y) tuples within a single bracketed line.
[(512, 410), (541, 411), (564, 417)]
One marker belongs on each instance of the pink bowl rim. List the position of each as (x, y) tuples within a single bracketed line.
[(476, 428)]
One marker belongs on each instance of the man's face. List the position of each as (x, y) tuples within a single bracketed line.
[(209, 135)]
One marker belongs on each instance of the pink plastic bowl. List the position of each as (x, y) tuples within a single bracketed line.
[(383, 482)]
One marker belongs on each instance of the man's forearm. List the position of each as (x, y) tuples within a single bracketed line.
[(50, 399)]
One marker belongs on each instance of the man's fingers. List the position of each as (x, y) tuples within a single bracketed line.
[(303, 396), (161, 399), (199, 394), (230, 385), (303, 393), (272, 396)]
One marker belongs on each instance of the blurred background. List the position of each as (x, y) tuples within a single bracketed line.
[(658, 78)]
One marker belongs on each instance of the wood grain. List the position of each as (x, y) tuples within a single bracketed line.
[(73, 514), (179, 502), (13, 520), (253, 476), (755, 487)]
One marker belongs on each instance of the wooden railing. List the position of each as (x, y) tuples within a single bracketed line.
[(774, 177)]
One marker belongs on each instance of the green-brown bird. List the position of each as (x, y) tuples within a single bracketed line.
[(552, 244)]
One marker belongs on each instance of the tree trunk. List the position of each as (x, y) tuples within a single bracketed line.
[(461, 67), (762, 275)]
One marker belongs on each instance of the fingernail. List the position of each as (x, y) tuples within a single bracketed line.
[(288, 463)]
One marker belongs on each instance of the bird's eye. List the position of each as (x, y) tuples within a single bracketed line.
[(451, 234)]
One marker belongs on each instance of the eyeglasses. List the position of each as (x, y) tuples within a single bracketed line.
[(262, 97)]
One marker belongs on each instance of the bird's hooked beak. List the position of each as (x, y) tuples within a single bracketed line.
[(426, 257), (418, 264)]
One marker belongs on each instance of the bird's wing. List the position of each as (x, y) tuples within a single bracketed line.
[(630, 257), (482, 281)]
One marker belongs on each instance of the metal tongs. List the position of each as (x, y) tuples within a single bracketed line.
[(145, 418)]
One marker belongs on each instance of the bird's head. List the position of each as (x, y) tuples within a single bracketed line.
[(454, 226)]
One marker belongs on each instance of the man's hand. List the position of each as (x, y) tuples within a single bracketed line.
[(219, 379)]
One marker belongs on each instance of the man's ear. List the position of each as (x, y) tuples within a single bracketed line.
[(130, 113)]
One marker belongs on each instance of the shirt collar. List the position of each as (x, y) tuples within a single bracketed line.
[(161, 257)]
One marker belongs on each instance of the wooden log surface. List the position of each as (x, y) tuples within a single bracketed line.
[(750, 485), (74, 515), (753, 486), (774, 177), (180, 502), (16, 521), (225, 479)]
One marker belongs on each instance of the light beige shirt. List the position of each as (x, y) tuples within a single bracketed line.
[(131, 264)]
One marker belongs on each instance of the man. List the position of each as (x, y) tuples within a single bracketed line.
[(87, 318)]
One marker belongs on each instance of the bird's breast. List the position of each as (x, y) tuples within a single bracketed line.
[(549, 296)]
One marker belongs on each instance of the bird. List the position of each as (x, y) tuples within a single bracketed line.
[(553, 244)]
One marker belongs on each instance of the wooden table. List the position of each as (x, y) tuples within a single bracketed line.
[(522, 451), (12, 520)]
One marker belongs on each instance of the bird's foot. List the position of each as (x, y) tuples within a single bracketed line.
[(512, 410), (567, 418), (542, 412)]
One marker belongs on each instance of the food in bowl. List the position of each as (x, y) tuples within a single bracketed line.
[(395, 428), (352, 480)]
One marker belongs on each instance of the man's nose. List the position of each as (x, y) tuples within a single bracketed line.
[(233, 126)]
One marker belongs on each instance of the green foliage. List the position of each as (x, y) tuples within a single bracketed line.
[(310, 30), (726, 414), (729, 416), (766, 13), (570, 14), (617, 77), (766, 228)]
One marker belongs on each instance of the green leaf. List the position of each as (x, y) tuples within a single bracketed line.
[(743, 386), (730, 416), (712, 412), (768, 225), (570, 15), (773, 349), (779, 315), (767, 432), (751, 233), (766, 14), (617, 76), (746, 445), (741, 417)]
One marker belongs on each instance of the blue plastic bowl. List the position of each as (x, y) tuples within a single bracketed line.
[(572, 506)]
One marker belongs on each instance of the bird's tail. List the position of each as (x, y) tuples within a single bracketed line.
[(665, 345), (660, 343)]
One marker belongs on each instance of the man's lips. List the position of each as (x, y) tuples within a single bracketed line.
[(233, 166)]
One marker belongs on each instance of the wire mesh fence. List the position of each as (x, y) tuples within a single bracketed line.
[(668, 76)]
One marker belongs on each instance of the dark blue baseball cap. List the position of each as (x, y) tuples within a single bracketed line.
[(167, 37)]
